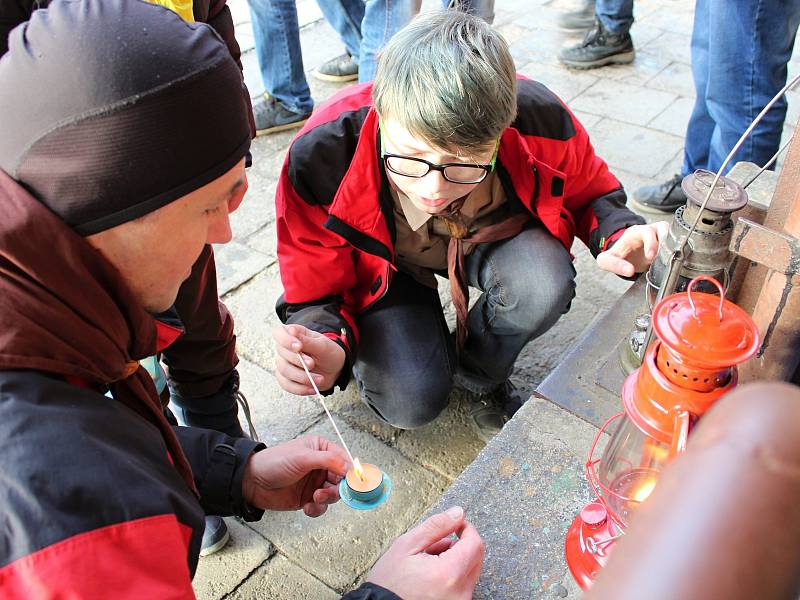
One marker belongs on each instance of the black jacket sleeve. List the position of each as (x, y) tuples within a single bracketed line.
[(370, 591), (218, 462)]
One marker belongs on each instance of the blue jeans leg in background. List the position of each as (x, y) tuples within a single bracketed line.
[(740, 49), (277, 41), (616, 16), (345, 16), (382, 19)]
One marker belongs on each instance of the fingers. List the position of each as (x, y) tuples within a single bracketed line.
[(327, 494), (314, 510), (324, 460), (649, 241), (288, 336), (465, 557), (318, 442), (442, 545), (615, 264), (432, 530)]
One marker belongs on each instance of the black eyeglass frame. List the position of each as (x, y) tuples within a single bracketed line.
[(441, 168)]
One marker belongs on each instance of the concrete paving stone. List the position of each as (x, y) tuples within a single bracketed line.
[(320, 43), (258, 206), (339, 546), (252, 74), (587, 119), (623, 102), (541, 46), (544, 17), (793, 109), (277, 415), (674, 17), (448, 444), (264, 240), (244, 36), (520, 11), (632, 148), (512, 32), (672, 166), (674, 118), (639, 72), (347, 404), (237, 264), (642, 33), (521, 493), (675, 78), (566, 83), (672, 46), (221, 572), (281, 579), (240, 11), (308, 13), (253, 309)]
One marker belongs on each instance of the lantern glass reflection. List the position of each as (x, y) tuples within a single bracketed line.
[(629, 469)]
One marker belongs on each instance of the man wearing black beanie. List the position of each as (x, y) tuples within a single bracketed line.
[(202, 376), (109, 191)]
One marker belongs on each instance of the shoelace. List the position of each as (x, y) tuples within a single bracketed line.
[(240, 398)]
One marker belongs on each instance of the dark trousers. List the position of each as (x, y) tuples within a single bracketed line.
[(406, 359), (202, 360)]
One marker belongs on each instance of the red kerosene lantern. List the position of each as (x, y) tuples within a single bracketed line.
[(700, 340)]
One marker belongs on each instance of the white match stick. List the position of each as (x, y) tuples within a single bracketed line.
[(325, 406)]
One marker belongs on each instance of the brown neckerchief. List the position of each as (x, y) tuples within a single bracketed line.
[(459, 234), (64, 309)]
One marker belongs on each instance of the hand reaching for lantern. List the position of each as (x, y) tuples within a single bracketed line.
[(634, 251), (303, 473), (323, 357)]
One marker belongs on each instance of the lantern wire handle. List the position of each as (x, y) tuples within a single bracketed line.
[(712, 280)]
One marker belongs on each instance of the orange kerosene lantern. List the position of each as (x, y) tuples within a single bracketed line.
[(700, 338)]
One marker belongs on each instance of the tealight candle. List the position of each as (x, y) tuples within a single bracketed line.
[(367, 491)]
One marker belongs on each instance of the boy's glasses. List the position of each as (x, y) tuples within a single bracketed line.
[(453, 172)]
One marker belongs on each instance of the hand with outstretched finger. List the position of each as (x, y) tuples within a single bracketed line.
[(634, 250)]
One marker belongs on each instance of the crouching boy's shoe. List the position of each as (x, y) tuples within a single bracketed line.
[(492, 409)]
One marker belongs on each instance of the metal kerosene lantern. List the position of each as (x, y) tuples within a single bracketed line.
[(702, 230), (700, 339)]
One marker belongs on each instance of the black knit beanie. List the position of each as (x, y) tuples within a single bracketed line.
[(111, 109)]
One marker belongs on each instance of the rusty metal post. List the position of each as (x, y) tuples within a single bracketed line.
[(777, 308)]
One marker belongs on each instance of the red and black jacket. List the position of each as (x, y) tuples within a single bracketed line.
[(335, 220)]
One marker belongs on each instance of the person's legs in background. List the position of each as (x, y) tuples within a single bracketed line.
[(382, 19), (608, 42), (739, 62), (581, 19), (288, 101), (345, 16), (528, 282)]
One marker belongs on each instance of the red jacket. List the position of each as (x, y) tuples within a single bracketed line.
[(334, 211)]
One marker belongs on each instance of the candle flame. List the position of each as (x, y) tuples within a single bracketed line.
[(358, 469), (641, 494)]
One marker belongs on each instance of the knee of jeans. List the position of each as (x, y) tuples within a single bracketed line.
[(413, 404), (528, 302)]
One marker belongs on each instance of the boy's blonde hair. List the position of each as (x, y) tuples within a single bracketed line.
[(449, 79)]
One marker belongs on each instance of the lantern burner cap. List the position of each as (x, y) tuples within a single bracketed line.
[(727, 197)]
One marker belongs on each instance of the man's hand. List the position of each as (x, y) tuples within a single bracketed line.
[(323, 357), (303, 473), (634, 250), (428, 563)]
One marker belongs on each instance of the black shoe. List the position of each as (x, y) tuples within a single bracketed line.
[(578, 20), (664, 198), (215, 536), (599, 48), (271, 116), (493, 410), (342, 68)]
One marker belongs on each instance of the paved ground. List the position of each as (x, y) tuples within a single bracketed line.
[(636, 116)]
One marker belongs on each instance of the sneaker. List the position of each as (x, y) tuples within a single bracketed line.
[(493, 410), (578, 20), (341, 68), (599, 48), (215, 536), (664, 198), (271, 116)]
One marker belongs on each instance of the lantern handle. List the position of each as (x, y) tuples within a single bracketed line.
[(712, 280)]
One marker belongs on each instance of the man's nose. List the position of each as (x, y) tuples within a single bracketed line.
[(219, 231)]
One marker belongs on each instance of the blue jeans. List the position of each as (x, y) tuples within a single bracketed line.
[(277, 41), (615, 15), (406, 358), (382, 19), (739, 53)]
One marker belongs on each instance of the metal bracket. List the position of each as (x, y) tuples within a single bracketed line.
[(775, 250)]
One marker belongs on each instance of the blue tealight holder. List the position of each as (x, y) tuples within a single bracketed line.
[(366, 500)]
